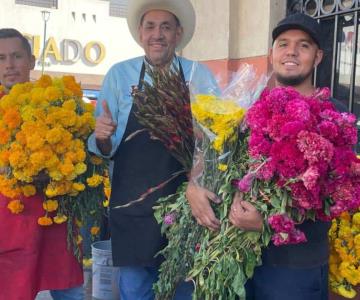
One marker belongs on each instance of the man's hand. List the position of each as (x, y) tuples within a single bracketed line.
[(105, 127), (244, 215), (199, 200)]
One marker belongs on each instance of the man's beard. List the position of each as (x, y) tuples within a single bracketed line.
[(292, 80)]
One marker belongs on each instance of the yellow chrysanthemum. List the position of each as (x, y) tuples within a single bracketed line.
[(59, 219), (94, 180), (50, 205), (78, 186), (222, 167), (96, 160), (15, 206), (29, 190)]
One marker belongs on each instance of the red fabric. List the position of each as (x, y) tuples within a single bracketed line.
[(33, 257)]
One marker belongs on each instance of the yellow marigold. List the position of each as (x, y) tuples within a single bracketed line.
[(80, 168), (29, 190), (69, 104), (94, 230), (106, 203), (67, 168), (45, 221), (56, 175), (79, 239), (346, 292), (54, 135), (60, 218), (356, 218), (222, 167), (37, 96), (52, 93), (21, 138), (78, 186), (35, 141), (50, 205), (96, 160), (87, 262), (72, 85), (94, 180), (15, 206)]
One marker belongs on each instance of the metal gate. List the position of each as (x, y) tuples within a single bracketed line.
[(340, 69)]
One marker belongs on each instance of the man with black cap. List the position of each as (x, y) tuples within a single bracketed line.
[(160, 27), (296, 272), (290, 272)]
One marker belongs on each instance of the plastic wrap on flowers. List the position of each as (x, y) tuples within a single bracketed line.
[(217, 116), (218, 263), (43, 127)]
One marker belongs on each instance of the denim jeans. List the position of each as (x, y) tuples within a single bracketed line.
[(76, 293), (282, 283), (135, 283)]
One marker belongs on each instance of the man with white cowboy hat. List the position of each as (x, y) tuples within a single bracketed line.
[(160, 27)]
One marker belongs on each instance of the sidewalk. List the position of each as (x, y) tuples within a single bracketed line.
[(45, 295)]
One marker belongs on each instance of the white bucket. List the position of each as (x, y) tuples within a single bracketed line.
[(104, 276)]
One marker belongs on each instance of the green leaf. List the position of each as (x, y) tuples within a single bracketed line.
[(238, 283)]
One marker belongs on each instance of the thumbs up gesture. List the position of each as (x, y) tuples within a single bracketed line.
[(105, 126)]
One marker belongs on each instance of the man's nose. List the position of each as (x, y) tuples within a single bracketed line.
[(9, 62), (158, 32), (292, 50)]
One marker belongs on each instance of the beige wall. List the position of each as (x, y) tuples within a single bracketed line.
[(233, 29), (211, 38)]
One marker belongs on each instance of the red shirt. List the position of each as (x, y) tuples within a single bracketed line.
[(33, 257)]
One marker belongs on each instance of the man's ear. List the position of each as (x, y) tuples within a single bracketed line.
[(179, 34), (270, 56), (32, 62), (319, 56)]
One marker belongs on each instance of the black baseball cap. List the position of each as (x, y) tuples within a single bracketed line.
[(302, 22)]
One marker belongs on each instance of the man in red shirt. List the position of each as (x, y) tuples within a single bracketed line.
[(32, 257)]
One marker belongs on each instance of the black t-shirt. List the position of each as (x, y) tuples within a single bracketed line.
[(315, 251)]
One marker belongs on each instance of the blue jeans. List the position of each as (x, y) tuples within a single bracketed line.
[(282, 283), (76, 293), (135, 283)]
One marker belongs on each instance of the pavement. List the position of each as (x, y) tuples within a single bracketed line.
[(45, 295)]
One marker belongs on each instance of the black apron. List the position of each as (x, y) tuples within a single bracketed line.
[(139, 164)]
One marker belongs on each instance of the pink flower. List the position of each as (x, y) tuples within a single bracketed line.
[(315, 147), (170, 218), (281, 223), (244, 184), (310, 177), (289, 161), (259, 145)]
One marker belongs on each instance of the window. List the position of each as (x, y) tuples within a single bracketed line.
[(340, 69), (40, 3), (118, 8)]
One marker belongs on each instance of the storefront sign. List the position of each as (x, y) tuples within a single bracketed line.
[(68, 51)]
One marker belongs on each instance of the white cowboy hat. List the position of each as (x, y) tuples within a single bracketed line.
[(182, 9)]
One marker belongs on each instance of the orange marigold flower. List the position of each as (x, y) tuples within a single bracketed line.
[(44, 81), (15, 206), (95, 230), (45, 221), (4, 136), (12, 118)]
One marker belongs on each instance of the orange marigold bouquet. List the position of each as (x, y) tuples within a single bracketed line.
[(44, 126)]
